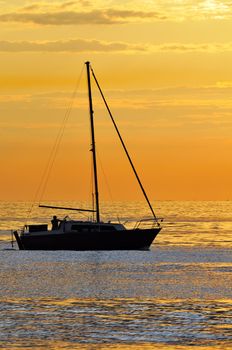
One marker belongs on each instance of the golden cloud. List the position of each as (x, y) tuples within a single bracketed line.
[(104, 16), (75, 45), (83, 45)]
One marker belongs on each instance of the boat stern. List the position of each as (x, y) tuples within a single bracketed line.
[(18, 240)]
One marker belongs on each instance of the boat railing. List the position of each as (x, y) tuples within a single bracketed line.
[(147, 223)]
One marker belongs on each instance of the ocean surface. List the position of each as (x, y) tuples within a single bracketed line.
[(178, 295)]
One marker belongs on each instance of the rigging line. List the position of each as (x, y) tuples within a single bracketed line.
[(91, 174), (124, 147), (107, 184), (59, 136), (91, 191), (43, 183)]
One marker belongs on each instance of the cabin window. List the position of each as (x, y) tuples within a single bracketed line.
[(90, 228), (81, 228), (77, 228), (108, 228), (37, 228)]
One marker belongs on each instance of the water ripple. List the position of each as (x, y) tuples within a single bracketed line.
[(116, 321)]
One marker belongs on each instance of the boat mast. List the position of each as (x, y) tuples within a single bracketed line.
[(93, 149)]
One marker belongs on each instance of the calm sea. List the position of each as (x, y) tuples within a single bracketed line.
[(178, 295)]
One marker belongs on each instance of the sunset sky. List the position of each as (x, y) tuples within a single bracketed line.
[(166, 70)]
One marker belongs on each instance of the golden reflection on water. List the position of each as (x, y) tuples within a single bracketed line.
[(116, 324), (155, 346), (61, 345), (144, 346)]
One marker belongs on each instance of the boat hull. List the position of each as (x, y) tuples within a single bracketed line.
[(138, 239)]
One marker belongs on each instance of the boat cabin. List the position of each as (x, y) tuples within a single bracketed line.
[(75, 226)]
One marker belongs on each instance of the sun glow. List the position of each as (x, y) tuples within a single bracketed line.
[(217, 7), (165, 69)]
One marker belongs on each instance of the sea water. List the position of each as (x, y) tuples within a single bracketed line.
[(178, 295)]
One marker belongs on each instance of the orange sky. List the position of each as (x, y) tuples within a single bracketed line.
[(165, 67)]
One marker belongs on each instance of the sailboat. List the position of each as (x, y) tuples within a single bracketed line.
[(68, 234)]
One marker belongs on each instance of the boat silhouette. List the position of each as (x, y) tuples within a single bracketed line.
[(68, 234)]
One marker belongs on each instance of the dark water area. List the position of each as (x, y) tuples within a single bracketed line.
[(178, 295)]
